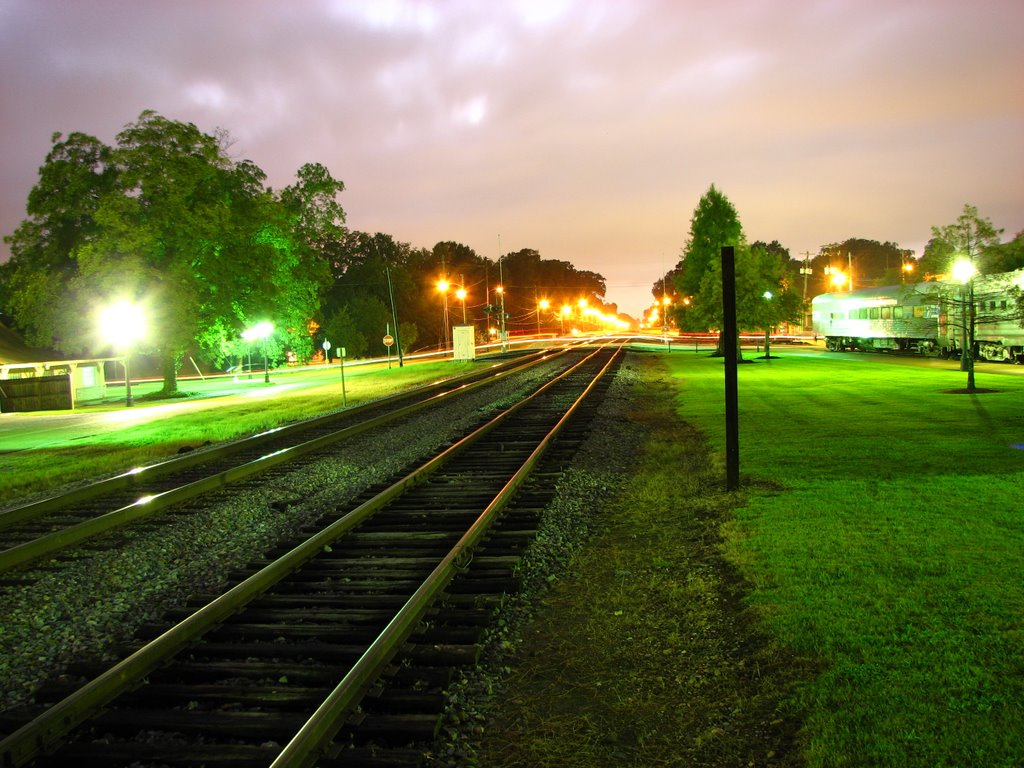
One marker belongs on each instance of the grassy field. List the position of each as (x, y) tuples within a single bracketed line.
[(114, 450), (883, 529)]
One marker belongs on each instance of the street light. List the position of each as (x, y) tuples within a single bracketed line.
[(443, 285), (768, 296), (963, 272), (461, 296), (838, 278), (542, 306), (260, 331), (566, 311), (122, 324), (504, 335)]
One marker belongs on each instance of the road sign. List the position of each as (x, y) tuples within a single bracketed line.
[(326, 344), (389, 340)]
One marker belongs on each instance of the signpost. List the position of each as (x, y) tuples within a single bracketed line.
[(327, 351), (388, 341)]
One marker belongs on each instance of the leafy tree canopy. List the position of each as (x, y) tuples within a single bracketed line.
[(970, 236), (167, 218), (873, 263)]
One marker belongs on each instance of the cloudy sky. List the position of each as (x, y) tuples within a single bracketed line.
[(586, 129)]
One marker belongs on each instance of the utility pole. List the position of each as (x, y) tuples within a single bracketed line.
[(501, 292), (394, 317), (805, 271)]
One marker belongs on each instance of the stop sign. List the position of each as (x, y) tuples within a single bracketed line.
[(389, 340)]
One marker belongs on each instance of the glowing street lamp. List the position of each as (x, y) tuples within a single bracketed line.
[(838, 278), (443, 285), (261, 331), (122, 324), (542, 306), (460, 294), (566, 311), (501, 293)]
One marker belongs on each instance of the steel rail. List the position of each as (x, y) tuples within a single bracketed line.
[(146, 506), (18, 514), (48, 731), (313, 738)]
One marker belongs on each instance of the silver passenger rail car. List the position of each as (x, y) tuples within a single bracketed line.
[(926, 318)]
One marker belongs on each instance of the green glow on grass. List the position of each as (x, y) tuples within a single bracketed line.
[(882, 529)]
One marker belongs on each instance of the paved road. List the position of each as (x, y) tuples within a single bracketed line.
[(41, 429)]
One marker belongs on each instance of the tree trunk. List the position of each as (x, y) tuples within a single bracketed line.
[(720, 348), (170, 370)]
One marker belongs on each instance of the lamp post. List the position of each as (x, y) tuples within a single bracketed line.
[(260, 331), (503, 335), (768, 296), (566, 311), (443, 285), (122, 324), (460, 294), (542, 306), (964, 271)]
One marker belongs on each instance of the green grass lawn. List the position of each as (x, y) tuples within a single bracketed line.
[(883, 529), (120, 449)]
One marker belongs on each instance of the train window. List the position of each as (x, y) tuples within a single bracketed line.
[(1002, 304), (897, 313), (918, 311), (873, 313), (862, 313), (886, 313), (992, 305)]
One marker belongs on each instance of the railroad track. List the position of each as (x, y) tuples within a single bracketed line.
[(46, 527), (335, 649)]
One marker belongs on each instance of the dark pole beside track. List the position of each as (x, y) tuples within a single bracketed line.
[(732, 416)]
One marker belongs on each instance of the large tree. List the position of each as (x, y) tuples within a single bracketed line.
[(766, 294), (872, 263), (714, 224), (76, 175), (970, 236), (166, 217)]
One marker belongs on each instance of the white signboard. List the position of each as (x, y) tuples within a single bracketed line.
[(464, 342)]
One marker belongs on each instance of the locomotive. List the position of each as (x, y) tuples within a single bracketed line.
[(927, 318)]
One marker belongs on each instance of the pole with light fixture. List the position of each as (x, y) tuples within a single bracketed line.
[(964, 271), (261, 331), (122, 324)]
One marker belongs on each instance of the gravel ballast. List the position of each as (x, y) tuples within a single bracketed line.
[(81, 609)]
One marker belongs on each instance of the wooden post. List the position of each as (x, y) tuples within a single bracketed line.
[(732, 416)]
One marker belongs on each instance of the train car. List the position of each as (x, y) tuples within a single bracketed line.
[(926, 318), (896, 317), (998, 320)]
